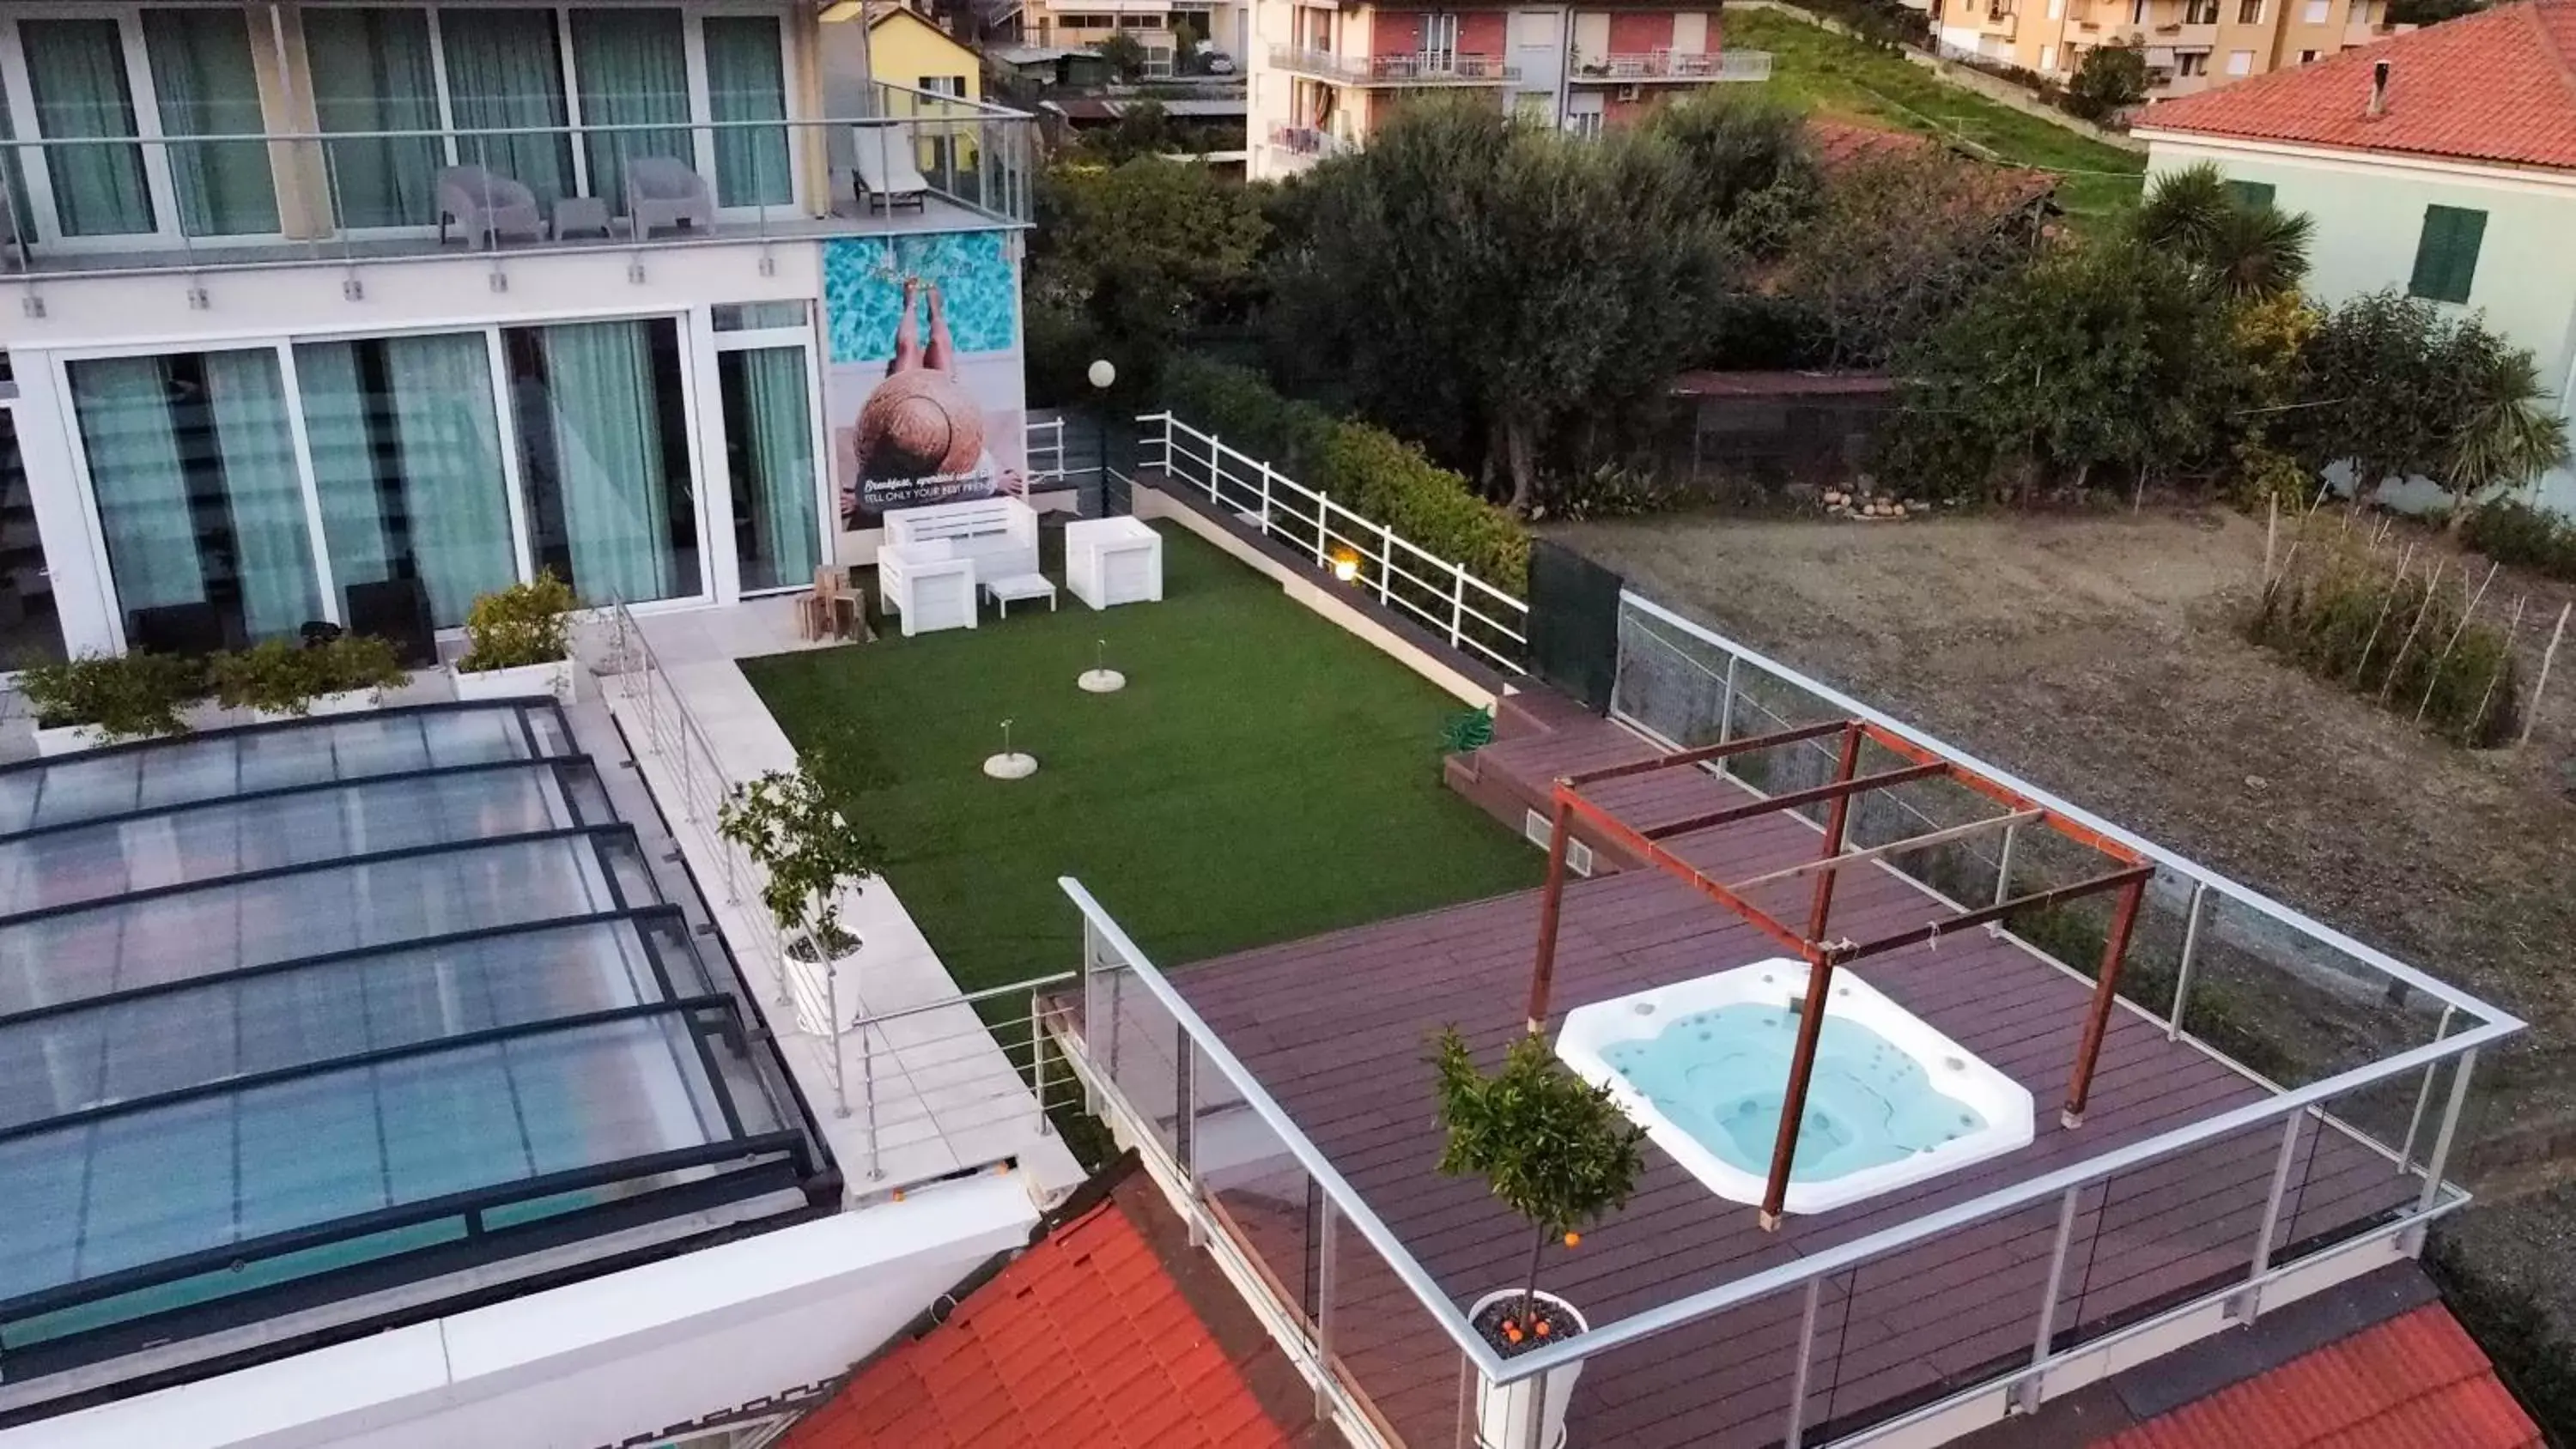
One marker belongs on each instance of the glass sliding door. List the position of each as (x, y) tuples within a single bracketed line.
[(505, 76), (76, 78), (192, 465), (769, 455), (372, 72), (30, 631), (203, 85), (633, 70), (604, 444), (747, 81), (407, 461)]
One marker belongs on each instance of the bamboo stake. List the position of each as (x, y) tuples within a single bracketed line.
[(2271, 533), (2548, 657), (2451, 643), (2387, 600), (2431, 580), (2504, 660)]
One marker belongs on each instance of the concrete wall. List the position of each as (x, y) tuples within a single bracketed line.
[(600, 1362), (2369, 213)]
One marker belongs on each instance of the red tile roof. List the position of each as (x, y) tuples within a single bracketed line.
[(2499, 86), (2411, 1382), (1084, 1341)]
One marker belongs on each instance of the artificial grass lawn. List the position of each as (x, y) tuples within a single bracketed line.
[(1263, 776), (1814, 69)]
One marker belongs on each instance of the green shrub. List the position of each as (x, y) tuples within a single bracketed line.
[(124, 696), (279, 676), (521, 625), (2352, 620), (358, 661), (2519, 534), (1367, 470)]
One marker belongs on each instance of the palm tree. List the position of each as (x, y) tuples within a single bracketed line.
[(2184, 209), (2257, 252), (2507, 433)]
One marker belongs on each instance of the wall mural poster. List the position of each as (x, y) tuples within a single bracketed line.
[(924, 387)]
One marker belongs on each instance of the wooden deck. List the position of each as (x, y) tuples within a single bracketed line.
[(1336, 1028)]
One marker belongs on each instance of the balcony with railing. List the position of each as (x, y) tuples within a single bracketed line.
[(1306, 145), (1429, 68), (916, 161), (1683, 67)]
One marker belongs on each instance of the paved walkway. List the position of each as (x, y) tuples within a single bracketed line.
[(943, 1094)]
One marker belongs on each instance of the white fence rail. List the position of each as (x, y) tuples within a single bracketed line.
[(1474, 616)]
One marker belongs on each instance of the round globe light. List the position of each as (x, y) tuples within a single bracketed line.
[(1102, 373)]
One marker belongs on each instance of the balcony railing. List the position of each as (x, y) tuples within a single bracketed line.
[(1428, 69), (118, 204), (1673, 65), (1309, 142)]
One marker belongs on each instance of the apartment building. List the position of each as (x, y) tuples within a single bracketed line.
[(1165, 28), (1324, 76), (2191, 45), (299, 298)]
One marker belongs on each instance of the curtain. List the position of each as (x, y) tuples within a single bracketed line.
[(76, 77), (504, 73), (633, 70), (334, 399), (264, 491), (203, 85), (776, 443), (602, 421), (371, 71), (448, 438), (747, 81), (131, 437)]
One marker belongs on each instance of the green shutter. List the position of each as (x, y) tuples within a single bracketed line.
[(2446, 258), (2252, 195)]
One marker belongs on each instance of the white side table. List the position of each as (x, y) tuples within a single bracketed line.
[(1019, 588), (580, 213), (1111, 561)]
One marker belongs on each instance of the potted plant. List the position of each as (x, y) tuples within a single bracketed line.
[(807, 852), (99, 699), (278, 679), (1561, 1154), (515, 642)]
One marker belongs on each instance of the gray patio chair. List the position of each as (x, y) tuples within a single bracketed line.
[(662, 192), (486, 205), (885, 173)]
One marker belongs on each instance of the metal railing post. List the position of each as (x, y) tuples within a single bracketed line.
[(1216, 469), (2246, 1306), (1726, 710), (2027, 1391), (2424, 1093), (1265, 498), (868, 1094), (2190, 957), (1185, 1145), (1385, 562), (1794, 1432), (1457, 603), (2004, 862), (1323, 523), (1327, 1274), (1037, 1062), (2413, 1239), (832, 1016)]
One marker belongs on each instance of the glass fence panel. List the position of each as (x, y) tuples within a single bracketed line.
[(1388, 1348), (1134, 1045), (1259, 1193)]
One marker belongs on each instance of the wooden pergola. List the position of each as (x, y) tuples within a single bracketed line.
[(1821, 951)]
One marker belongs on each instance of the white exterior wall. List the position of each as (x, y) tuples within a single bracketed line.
[(600, 1362), (2369, 213)]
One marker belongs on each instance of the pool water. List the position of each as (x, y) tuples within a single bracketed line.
[(1722, 1075)]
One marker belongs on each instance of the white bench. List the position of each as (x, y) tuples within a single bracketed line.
[(933, 559), (1113, 561)]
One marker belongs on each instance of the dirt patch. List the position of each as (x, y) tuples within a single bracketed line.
[(2098, 656)]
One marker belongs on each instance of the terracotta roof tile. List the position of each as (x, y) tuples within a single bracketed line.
[(1085, 1340), (2413, 1381), (2497, 86)]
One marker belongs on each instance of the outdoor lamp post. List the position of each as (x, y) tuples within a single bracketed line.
[(1102, 373)]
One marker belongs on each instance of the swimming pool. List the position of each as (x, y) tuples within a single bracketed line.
[(1703, 1066)]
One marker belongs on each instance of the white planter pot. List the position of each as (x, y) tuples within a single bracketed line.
[(1503, 1410), (69, 739), (554, 677), (346, 701)]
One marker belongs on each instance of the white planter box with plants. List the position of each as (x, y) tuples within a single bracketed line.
[(517, 643), (281, 680), (1559, 1152), (105, 699), (807, 856)]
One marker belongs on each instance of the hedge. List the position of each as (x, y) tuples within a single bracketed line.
[(1367, 470), (2513, 532)]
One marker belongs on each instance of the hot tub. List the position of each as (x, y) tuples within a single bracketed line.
[(1703, 1066)]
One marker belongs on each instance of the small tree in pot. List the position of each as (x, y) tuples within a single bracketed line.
[(787, 825), (1560, 1153)]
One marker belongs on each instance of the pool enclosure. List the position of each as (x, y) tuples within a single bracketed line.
[(351, 1017)]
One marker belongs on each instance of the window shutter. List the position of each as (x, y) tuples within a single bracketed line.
[(2252, 195), (2446, 258)]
